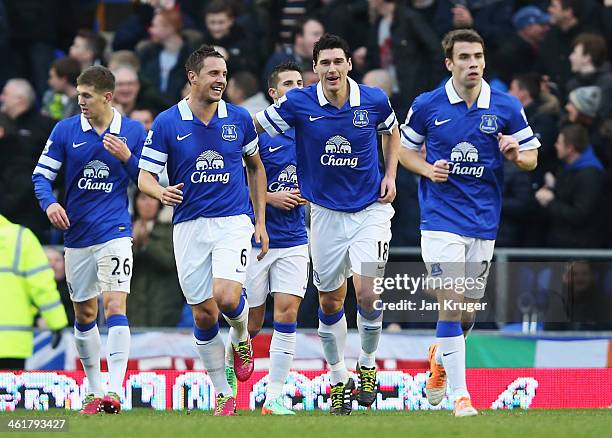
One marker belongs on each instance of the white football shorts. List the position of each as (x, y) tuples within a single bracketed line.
[(207, 248), (282, 270), (105, 267), (457, 258), (345, 243)]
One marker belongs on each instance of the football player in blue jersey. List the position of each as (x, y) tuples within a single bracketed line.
[(337, 123), (203, 141), (284, 270), (469, 129), (100, 150)]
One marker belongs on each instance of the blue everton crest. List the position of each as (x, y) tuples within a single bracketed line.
[(360, 119), (488, 124), (229, 132), (123, 139), (436, 269)]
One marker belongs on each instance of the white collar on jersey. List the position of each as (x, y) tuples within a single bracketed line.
[(186, 113), (115, 126), (354, 93), (484, 98)]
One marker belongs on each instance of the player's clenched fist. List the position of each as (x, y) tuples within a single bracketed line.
[(172, 195), (58, 217), (439, 171)]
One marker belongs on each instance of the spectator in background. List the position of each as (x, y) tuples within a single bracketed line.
[(33, 129), (57, 263), (402, 43), (155, 300), (123, 57), (491, 19), (573, 198), (517, 52), (60, 101), (144, 115), (526, 87), (162, 59), (342, 17), (17, 201), (569, 20), (307, 32), (590, 66), (243, 90), (129, 93), (87, 48), (222, 30)]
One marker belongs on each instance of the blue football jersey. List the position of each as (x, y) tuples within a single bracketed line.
[(469, 203), (96, 182), (206, 158), (337, 149), (285, 228)]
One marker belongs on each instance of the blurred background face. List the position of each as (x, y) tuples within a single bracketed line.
[(572, 112), (561, 147), (127, 86), (578, 59), (579, 277), (537, 32), (219, 24), (56, 261), (160, 29), (143, 116), (147, 207), (55, 82), (79, 50), (11, 98), (312, 32)]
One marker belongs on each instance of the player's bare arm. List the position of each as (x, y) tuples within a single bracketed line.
[(171, 195), (256, 175), (116, 147), (413, 161), (524, 160), (57, 216), (390, 149), (258, 126)]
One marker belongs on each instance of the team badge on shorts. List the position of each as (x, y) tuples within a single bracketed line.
[(488, 124), (229, 132), (436, 269), (360, 119)]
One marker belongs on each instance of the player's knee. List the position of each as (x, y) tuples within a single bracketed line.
[(114, 307), (85, 315), (204, 317), (287, 315), (450, 315), (227, 303), (330, 304)]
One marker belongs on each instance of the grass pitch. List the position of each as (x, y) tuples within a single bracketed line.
[(374, 424)]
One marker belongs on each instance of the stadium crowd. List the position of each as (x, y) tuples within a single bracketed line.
[(552, 55)]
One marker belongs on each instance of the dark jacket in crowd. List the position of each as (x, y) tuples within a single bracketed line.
[(492, 18), (513, 57), (33, 130), (546, 127), (575, 213), (601, 78), (242, 48), (155, 299), (150, 69), (17, 200), (416, 54)]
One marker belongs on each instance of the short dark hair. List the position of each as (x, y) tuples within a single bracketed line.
[(99, 77), (280, 68), (195, 61), (576, 6), (247, 82), (220, 6), (530, 82), (575, 135), (68, 68), (330, 41), (95, 42), (460, 36), (594, 45)]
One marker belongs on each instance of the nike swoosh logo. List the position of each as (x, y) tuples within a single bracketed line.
[(179, 138), (121, 282), (312, 119), (271, 149), (239, 271), (448, 354), (441, 122), (116, 352), (76, 145)]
